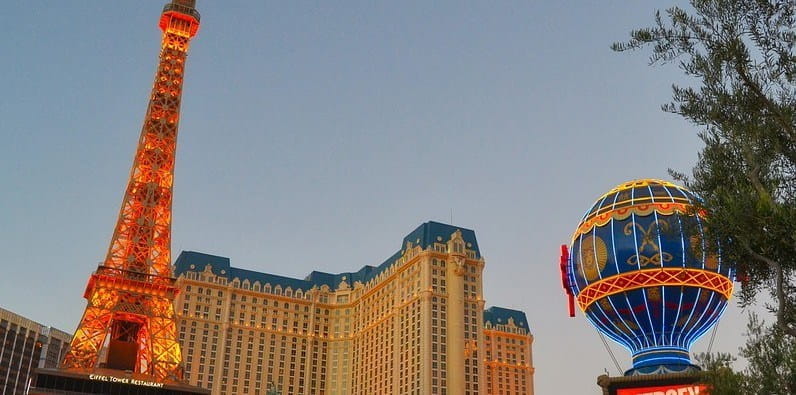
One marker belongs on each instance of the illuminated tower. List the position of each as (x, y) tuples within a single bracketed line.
[(129, 322)]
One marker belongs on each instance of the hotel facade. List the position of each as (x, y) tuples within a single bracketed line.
[(415, 324), (24, 346)]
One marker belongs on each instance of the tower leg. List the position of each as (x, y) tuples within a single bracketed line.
[(166, 354), (84, 351)]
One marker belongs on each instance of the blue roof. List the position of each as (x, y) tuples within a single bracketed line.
[(500, 316), (424, 236), (219, 264)]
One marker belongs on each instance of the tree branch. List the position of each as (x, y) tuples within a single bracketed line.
[(747, 80), (779, 288), (753, 175)]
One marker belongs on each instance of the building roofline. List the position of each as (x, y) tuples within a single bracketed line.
[(424, 235)]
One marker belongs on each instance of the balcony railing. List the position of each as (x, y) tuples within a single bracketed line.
[(182, 9)]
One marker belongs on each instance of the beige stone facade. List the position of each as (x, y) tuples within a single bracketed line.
[(508, 361), (412, 325)]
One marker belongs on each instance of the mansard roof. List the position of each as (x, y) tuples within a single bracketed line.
[(500, 316), (425, 236), (435, 232)]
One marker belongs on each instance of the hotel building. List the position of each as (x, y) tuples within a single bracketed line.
[(415, 324), (24, 346)]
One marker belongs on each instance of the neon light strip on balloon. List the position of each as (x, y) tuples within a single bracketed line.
[(633, 216), (597, 220), (654, 277), (660, 253), (707, 325), (684, 255), (627, 299)]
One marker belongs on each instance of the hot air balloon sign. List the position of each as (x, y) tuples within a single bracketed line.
[(641, 271)]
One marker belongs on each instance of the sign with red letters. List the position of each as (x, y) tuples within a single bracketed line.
[(695, 389)]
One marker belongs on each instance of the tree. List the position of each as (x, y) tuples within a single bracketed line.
[(740, 56), (741, 53), (272, 390), (772, 364), (719, 373)]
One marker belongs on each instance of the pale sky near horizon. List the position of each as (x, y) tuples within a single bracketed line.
[(315, 136)]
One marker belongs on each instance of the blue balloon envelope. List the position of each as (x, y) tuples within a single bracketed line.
[(640, 270)]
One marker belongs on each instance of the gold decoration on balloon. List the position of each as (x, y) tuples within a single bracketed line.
[(632, 325), (711, 260), (593, 257), (654, 294), (620, 325), (648, 243), (703, 297), (683, 319)]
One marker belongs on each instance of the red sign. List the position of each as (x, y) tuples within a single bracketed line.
[(696, 389)]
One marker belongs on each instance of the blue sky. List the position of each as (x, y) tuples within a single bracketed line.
[(315, 135)]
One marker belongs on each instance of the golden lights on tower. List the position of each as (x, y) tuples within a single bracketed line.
[(129, 322)]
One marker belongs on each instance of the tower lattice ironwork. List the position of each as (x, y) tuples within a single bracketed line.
[(129, 322)]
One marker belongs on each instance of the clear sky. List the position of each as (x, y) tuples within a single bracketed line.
[(316, 135)]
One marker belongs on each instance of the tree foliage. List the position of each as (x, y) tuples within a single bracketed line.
[(722, 378), (772, 364), (740, 55)]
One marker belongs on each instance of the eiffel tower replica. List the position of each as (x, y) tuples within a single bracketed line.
[(126, 342)]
